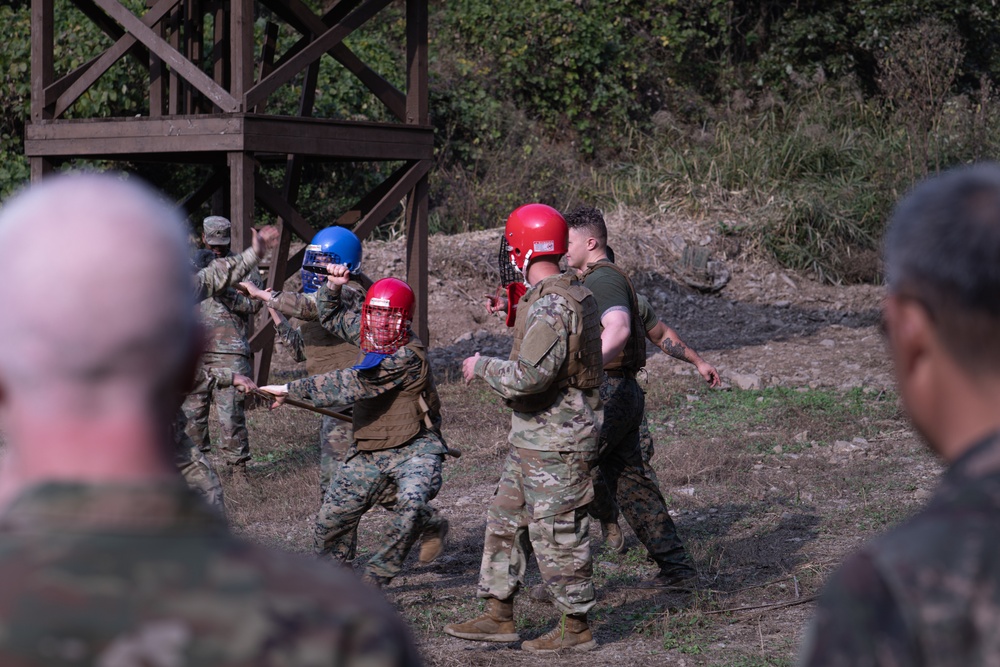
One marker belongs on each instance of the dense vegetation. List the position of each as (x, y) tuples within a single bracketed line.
[(793, 124)]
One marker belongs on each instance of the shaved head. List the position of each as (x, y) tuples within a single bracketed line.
[(98, 308)]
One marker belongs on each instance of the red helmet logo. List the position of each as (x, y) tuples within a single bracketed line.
[(386, 315)]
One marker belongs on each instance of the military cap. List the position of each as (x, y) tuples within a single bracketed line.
[(216, 229)]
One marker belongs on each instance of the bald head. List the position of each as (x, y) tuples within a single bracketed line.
[(98, 311)]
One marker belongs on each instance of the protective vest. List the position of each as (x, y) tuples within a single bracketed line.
[(582, 366), (633, 357), (392, 419), (324, 351)]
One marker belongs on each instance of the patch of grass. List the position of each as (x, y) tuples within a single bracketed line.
[(746, 660), (773, 417)]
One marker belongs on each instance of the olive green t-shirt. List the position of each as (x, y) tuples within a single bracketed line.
[(649, 318), (610, 290)]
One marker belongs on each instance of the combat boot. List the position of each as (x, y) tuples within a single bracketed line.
[(614, 538), (496, 625), (432, 542), (571, 634)]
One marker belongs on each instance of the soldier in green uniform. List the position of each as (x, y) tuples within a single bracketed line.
[(396, 422), (928, 592), (551, 382), (624, 477), (106, 557), (227, 316)]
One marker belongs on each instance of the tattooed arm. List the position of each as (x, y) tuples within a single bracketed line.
[(667, 340)]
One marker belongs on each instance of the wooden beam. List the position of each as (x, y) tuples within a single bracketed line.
[(416, 254), (267, 57), (193, 201), (42, 67), (104, 61), (313, 51), (406, 180), (177, 62), (241, 50), (300, 17), (417, 112), (241, 197)]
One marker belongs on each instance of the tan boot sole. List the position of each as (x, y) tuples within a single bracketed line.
[(585, 646), (483, 636)]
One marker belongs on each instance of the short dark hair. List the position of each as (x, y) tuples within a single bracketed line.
[(590, 219), (942, 247)]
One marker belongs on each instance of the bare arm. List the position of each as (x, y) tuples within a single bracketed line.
[(667, 340), (615, 333)]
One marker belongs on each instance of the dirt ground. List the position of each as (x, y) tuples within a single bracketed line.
[(771, 481)]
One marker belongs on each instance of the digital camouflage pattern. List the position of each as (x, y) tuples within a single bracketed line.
[(365, 479), (193, 465), (928, 591), (545, 485), (115, 576), (540, 505), (407, 478), (623, 480)]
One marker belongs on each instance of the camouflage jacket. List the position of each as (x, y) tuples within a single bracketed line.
[(227, 317), (346, 386), (224, 272), (927, 592), (148, 575), (573, 422), (309, 334)]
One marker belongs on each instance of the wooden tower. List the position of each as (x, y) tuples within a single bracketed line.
[(220, 119)]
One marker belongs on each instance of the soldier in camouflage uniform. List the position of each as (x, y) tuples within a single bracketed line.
[(396, 422), (928, 592), (625, 478), (551, 381), (106, 558), (227, 316)]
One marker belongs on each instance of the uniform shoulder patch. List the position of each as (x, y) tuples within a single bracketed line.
[(538, 340)]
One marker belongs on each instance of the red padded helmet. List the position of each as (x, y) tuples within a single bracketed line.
[(535, 230), (386, 315)]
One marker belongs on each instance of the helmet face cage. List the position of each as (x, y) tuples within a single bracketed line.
[(508, 272), (384, 329), (316, 257)]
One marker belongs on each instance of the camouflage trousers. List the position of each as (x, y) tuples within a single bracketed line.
[(540, 505), (646, 447), (623, 480), (196, 468), (409, 475), (229, 403)]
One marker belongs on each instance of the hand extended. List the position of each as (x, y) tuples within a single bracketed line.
[(495, 304), (255, 292), (243, 384), (264, 239), (337, 275), (469, 367), (709, 373), (279, 391)]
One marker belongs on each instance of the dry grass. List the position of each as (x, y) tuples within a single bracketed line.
[(764, 528)]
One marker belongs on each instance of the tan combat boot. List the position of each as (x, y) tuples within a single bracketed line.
[(614, 538), (572, 634), (496, 625), (432, 542)]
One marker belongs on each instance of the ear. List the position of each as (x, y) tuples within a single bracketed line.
[(914, 346)]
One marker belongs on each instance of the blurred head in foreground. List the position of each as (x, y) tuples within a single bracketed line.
[(942, 310), (98, 337)]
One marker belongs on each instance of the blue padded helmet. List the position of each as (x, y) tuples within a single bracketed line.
[(333, 245)]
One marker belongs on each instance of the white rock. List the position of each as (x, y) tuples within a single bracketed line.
[(686, 490), (827, 342), (747, 382)]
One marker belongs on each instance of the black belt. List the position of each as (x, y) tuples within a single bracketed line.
[(620, 373)]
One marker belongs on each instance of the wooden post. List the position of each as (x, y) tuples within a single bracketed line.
[(241, 49), (417, 113), (42, 73)]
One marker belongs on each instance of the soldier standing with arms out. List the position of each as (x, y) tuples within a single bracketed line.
[(551, 381), (396, 422), (227, 316), (928, 592), (106, 558), (620, 467)]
